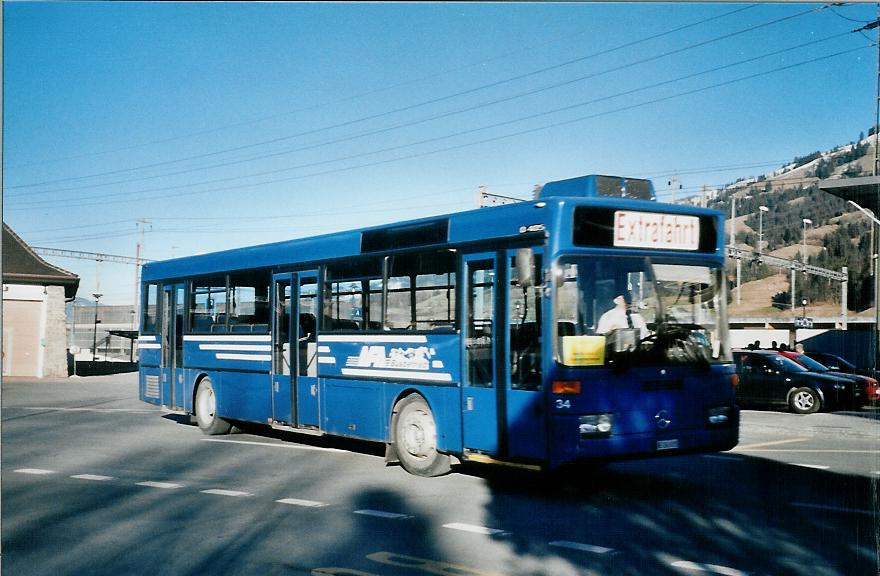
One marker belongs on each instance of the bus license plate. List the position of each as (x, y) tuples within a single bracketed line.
[(667, 444)]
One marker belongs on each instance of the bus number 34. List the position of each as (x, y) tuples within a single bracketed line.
[(563, 404)]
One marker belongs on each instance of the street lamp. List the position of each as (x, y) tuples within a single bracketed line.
[(97, 296), (804, 253), (761, 210)]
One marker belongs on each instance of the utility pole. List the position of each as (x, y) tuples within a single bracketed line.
[(673, 185), (136, 305)]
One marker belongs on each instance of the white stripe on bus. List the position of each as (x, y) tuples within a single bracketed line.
[(237, 347), (474, 529), (326, 360), (581, 546), (410, 339), (249, 357), (226, 338), (402, 374), (148, 346), (146, 338)]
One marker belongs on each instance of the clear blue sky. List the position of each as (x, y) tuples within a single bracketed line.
[(235, 124)]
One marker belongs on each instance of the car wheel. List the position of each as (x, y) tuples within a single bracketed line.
[(415, 438), (206, 410), (804, 401)]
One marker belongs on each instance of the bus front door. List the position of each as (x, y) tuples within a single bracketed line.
[(525, 409), (173, 312), (481, 387), (294, 359)]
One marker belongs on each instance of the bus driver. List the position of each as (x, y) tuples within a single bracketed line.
[(621, 317)]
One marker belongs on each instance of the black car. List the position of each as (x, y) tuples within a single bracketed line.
[(837, 363), (767, 378), (869, 385)]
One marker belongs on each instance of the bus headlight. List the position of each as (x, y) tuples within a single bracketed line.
[(595, 425), (719, 415)]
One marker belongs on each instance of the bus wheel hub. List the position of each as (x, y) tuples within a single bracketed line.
[(416, 437)]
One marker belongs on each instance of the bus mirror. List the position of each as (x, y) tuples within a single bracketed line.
[(525, 267)]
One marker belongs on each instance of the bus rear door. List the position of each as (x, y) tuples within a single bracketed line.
[(294, 368), (306, 327), (282, 334), (173, 312)]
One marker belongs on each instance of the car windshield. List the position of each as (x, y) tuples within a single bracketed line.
[(785, 364), (810, 364), (608, 310)]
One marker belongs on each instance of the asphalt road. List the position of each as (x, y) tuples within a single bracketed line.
[(95, 482)]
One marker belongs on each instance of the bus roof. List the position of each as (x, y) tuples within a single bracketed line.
[(528, 220)]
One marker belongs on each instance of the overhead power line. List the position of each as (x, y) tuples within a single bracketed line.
[(445, 97), (89, 255), (553, 39), (463, 110), (79, 202)]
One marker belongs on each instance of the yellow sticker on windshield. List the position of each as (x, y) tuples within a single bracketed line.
[(583, 350)]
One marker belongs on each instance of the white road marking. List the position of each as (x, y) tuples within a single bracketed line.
[(95, 477), (581, 547), (163, 485), (711, 568), (34, 471), (220, 492), (474, 529), (722, 457), (747, 447), (381, 514), (833, 508), (813, 466), (298, 502), (272, 445), (98, 410)]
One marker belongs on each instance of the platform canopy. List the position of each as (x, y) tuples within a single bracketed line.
[(864, 191)]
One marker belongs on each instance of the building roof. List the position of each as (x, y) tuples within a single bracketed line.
[(864, 191), (21, 265)]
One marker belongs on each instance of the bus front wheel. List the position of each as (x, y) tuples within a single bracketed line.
[(415, 438), (206, 410)]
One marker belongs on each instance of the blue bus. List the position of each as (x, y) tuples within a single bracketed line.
[(586, 325)]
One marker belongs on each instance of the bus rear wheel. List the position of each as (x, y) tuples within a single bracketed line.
[(415, 438), (206, 410)]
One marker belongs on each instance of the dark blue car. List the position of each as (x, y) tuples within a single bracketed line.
[(767, 378)]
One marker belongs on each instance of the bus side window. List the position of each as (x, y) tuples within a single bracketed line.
[(249, 302), (421, 292), (149, 322), (208, 305), (352, 294)]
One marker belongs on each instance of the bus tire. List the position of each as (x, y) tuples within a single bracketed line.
[(206, 410), (415, 438), (804, 401)]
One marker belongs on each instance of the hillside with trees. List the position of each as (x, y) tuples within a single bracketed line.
[(839, 236)]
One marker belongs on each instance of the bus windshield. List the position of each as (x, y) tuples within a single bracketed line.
[(614, 310)]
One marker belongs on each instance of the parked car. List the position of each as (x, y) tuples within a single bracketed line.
[(869, 385), (767, 378), (837, 363)]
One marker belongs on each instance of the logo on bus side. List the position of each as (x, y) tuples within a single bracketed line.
[(419, 358), (532, 228)]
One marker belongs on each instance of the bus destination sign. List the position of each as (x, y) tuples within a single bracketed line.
[(655, 230)]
